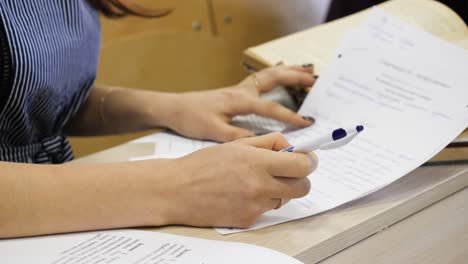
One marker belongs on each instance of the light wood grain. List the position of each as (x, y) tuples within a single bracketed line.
[(436, 235), (318, 237)]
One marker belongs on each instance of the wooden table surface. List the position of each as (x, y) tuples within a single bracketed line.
[(422, 218), (436, 234)]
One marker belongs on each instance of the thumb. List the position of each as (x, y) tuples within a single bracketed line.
[(273, 141)]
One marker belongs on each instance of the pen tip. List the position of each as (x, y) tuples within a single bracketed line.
[(359, 128)]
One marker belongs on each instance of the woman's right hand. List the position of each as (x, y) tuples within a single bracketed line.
[(228, 185), (231, 185)]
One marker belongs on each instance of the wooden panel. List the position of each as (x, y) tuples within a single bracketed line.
[(168, 61), (156, 58), (123, 61), (185, 12), (255, 22)]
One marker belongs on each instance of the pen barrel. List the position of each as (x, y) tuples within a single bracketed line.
[(307, 147)]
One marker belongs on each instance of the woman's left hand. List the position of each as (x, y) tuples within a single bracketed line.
[(207, 114)]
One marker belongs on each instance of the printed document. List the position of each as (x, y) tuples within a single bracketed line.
[(133, 247), (407, 87), (410, 96)]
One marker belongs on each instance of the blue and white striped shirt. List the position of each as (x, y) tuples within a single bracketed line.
[(49, 53)]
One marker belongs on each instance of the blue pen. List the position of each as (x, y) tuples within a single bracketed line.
[(337, 138)]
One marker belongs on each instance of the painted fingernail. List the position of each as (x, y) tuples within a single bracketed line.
[(307, 65), (316, 77), (308, 118)]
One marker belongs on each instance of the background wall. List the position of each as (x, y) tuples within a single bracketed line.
[(197, 47)]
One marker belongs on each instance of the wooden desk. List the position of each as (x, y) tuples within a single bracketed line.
[(374, 229), (437, 234)]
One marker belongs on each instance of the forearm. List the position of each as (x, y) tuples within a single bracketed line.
[(43, 199), (113, 110)]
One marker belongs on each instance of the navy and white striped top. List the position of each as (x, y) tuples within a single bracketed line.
[(48, 61)]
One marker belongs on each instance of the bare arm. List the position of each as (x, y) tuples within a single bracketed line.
[(202, 115), (114, 110), (238, 187), (43, 199)]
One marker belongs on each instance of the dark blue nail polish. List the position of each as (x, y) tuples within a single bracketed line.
[(359, 128), (308, 118), (316, 77)]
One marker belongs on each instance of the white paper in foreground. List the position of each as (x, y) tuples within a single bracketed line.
[(133, 247)]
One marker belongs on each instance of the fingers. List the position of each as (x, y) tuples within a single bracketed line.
[(272, 141), (278, 174), (294, 78), (307, 67), (295, 165), (288, 188), (281, 164), (283, 75), (278, 112), (291, 171), (273, 203), (247, 104), (226, 132)]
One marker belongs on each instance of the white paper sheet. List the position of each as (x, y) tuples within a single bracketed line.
[(410, 103), (408, 88), (133, 247), (170, 146)]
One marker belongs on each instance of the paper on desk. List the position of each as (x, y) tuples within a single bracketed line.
[(405, 86), (412, 102), (170, 146), (132, 246)]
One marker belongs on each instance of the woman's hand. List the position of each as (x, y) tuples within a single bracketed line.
[(228, 185), (201, 115), (231, 185), (207, 114)]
